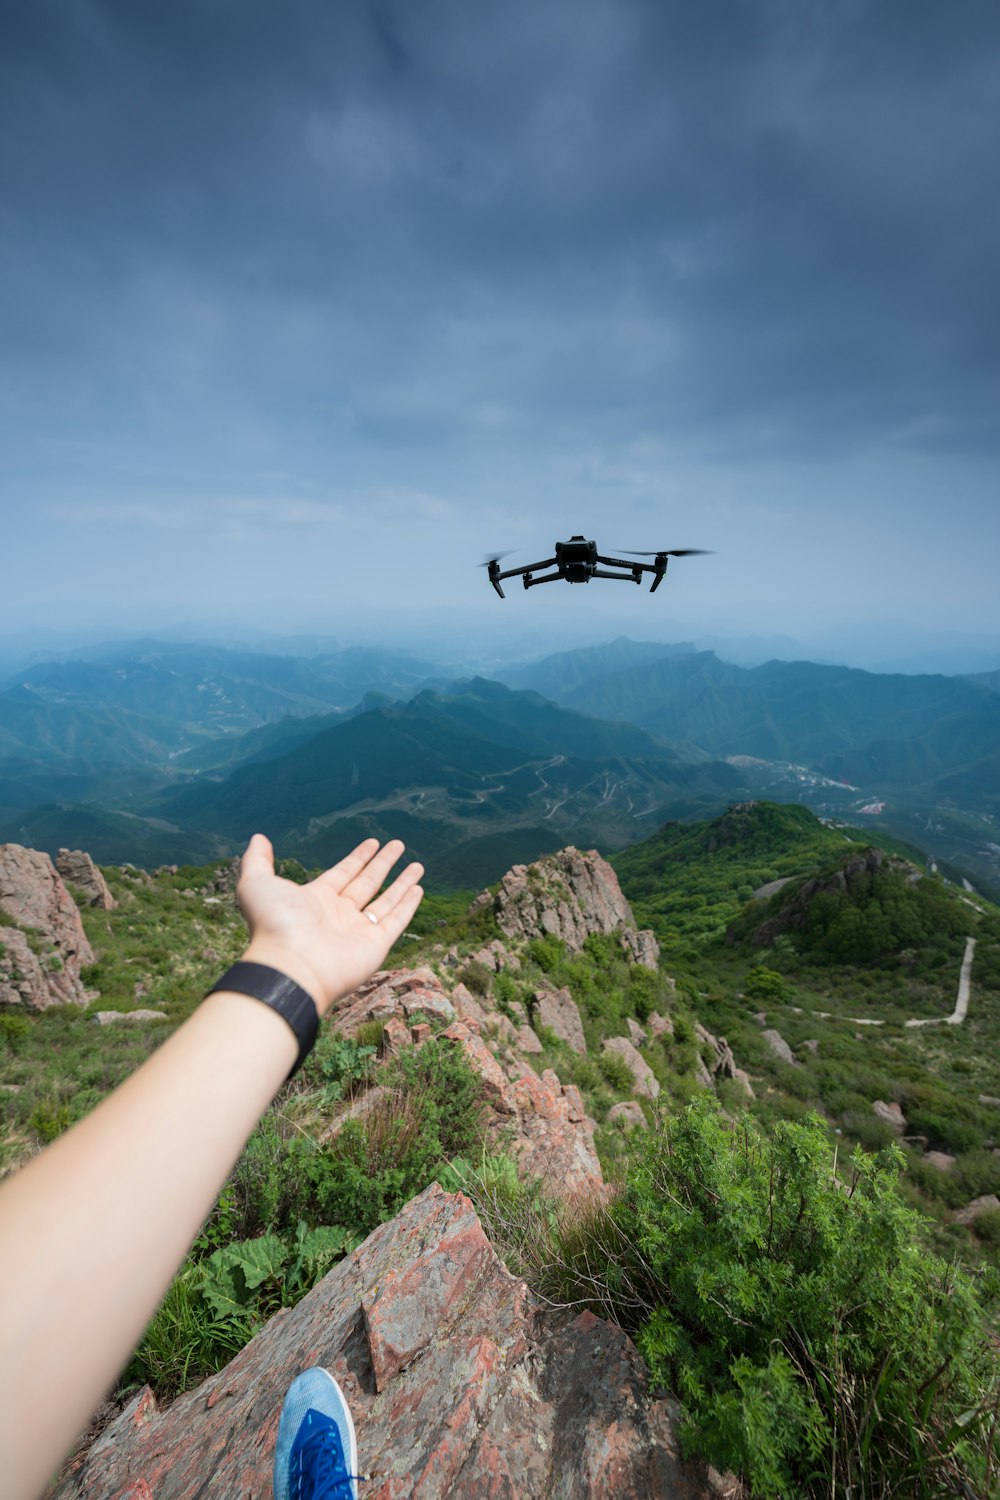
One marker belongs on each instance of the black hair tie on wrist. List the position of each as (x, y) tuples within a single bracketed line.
[(282, 994)]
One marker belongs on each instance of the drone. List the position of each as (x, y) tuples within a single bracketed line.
[(577, 562)]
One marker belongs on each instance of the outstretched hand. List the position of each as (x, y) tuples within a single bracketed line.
[(320, 934)]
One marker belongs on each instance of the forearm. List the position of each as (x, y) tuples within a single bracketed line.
[(93, 1230)]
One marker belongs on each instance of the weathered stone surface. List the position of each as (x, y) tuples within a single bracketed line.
[(660, 1025), (939, 1159), (780, 1047), (482, 1061), (628, 1113), (527, 1042), (721, 1063), (891, 1115), (396, 1037), (557, 1010), (79, 870), (111, 1017), (33, 895), (467, 1007), (970, 1213), (743, 1079), (568, 895), (428, 1002), (460, 1385), (422, 1030), (989, 1099), (637, 1036), (645, 1080), (811, 1044), (554, 1140)]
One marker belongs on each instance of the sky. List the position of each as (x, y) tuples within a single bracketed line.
[(307, 307)]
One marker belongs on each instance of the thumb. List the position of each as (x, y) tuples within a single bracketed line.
[(258, 858)]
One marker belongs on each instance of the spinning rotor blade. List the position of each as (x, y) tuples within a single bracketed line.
[(669, 552), (493, 557)]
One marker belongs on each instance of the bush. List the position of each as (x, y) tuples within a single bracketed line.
[(617, 1072), (14, 1031), (803, 1329), (475, 976)]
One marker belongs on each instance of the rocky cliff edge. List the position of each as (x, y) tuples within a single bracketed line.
[(460, 1384)]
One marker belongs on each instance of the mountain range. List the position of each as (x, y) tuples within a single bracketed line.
[(178, 752)]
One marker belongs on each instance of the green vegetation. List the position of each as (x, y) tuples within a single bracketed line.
[(816, 1348)]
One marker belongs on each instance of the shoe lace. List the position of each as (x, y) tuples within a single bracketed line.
[(320, 1471)]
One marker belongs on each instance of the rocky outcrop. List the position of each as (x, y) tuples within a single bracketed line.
[(558, 1012), (891, 1115), (537, 1119), (793, 914), (780, 1048), (568, 895), (79, 871), (33, 896), (461, 1385), (646, 1082), (971, 1212), (134, 1017)]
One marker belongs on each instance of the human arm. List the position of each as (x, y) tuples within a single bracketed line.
[(94, 1228)]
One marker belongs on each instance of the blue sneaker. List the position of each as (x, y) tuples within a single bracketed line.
[(316, 1456)]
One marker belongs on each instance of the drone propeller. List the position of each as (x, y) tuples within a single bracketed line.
[(670, 552), (493, 557)]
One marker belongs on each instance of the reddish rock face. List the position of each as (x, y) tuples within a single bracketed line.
[(33, 895), (460, 1386)]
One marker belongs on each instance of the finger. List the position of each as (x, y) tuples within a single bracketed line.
[(384, 904), (364, 886), (395, 923), (342, 873)]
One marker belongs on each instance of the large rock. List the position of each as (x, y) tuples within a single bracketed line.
[(33, 895), (646, 1082), (891, 1115), (79, 870), (780, 1048), (460, 1385), (558, 1012), (568, 895), (983, 1205)]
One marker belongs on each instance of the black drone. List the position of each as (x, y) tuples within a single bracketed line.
[(577, 561)]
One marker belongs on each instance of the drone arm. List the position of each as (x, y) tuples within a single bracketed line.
[(629, 577), (515, 572), (530, 582), (619, 562)]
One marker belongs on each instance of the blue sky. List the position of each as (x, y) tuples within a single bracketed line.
[(306, 307)]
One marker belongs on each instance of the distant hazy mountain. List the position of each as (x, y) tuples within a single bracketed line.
[(471, 779)]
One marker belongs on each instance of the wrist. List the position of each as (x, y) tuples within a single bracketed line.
[(287, 961)]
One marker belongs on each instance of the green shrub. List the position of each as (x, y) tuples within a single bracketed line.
[(475, 976), (766, 985), (805, 1332), (617, 1072), (14, 1031)]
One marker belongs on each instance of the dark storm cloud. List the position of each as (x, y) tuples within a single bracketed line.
[(742, 225)]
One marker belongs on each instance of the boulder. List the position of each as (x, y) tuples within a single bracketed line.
[(79, 870), (660, 1025), (481, 1060), (780, 1047), (939, 1159), (891, 1115), (461, 1385), (557, 1010), (628, 1114), (645, 1080), (527, 1042), (32, 895), (396, 1037), (553, 1138), (637, 1036), (970, 1213), (568, 895), (111, 1017), (467, 1007)]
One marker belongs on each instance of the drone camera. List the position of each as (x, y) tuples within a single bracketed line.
[(577, 559)]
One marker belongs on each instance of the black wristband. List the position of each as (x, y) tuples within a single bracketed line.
[(282, 994)]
